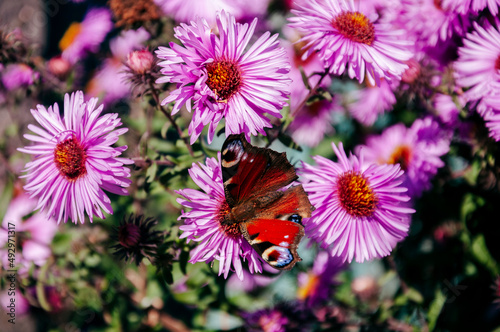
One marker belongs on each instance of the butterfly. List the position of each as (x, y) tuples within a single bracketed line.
[(269, 215)]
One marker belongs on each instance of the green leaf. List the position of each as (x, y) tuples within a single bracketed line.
[(482, 254), (435, 308)]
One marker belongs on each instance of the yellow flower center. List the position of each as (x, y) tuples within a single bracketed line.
[(309, 287), (355, 195), (230, 230), (402, 156), (70, 35), (355, 26), (224, 79), (70, 157)]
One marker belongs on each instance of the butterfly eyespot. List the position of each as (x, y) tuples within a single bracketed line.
[(295, 218)]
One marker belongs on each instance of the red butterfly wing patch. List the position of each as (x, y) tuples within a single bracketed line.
[(269, 217)]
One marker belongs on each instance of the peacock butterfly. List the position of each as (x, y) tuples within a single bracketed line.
[(268, 215)]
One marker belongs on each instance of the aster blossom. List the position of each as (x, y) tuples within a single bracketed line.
[(478, 64), (346, 38), (224, 243), (74, 160), (361, 208), (417, 150), (222, 79)]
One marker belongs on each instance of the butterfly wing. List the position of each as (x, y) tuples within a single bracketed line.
[(268, 216), (249, 171), (276, 231)]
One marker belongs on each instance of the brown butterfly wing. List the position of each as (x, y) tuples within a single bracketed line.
[(249, 171), (269, 218)]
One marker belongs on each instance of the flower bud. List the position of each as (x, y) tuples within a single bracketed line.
[(140, 61)]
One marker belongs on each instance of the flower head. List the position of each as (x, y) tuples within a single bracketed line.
[(360, 206), (203, 223), (137, 239), (315, 286), (34, 233), (466, 6), (417, 150), (185, 11), (478, 64), (430, 21), (17, 75), (74, 159), (345, 37), (86, 36), (223, 79), (371, 101)]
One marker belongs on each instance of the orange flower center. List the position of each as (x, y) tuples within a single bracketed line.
[(224, 79), (230, 230), (401, 156), (355, 26), (70, 157), (309, 288), (355, 195), (70, 35)]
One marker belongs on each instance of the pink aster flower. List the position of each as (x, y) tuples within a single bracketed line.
[(34, 234), (185, 11), (345, 37), (431, 22), (313, 122), (465, 6), (203, 223), (447, 110), (371, 101), (223, 79), (478, 64), (74, 160), (417, 150), (315, 286), (492, 116), (111, 80), (361, 207), (18, 75), (86, 36)]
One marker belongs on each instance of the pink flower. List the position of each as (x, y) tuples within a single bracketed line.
[(185, 11), (74, 160), (417, 150), (315, 286), (86, 36), (478, 64), (224, 79), (203, 223), (431, 22), (18, 75), (111, 81), (346, 38), (34, 234), (371, 101), (361, 209)]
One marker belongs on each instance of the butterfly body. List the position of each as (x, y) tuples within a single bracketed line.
[(267, 211)]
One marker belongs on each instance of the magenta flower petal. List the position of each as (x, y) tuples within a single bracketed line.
[(218, 77), (346, 39), (74, 160), (417, 150), (203, 223), (361, 209)]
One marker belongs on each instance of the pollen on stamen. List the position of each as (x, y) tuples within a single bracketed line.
[(224, 78), (70, 157), (355, 26), (355, 195), (230, 230), (401, 156)]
